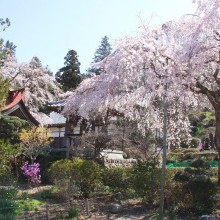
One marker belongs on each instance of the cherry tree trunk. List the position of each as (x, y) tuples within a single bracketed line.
[(217, 139)]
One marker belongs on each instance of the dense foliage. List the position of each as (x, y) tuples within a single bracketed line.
[(8, 156), (10, 128)]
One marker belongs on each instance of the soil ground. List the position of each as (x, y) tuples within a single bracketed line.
[(99, 209)]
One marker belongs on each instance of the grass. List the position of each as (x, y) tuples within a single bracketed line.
[(28, 204)]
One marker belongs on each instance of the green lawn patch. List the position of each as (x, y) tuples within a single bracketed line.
[(28, 205)]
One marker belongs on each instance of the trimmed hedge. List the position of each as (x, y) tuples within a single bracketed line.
[(190, 154)]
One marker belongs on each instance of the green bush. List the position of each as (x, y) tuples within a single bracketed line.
[(73, 212), (192, 189), (8, 216), (195, 142), (202, 189), (8, 193), (47, 194), (88, 177), (61, 175), (146, 180), (7, 206), (46, 161), (76, 175), (118, 179), (7, 202)]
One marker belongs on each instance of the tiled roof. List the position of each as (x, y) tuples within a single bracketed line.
[(59, 103)]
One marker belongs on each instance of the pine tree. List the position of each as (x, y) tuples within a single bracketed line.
[(69, 75), (10, 127), (10, 47), (101, 53), (35, 62)]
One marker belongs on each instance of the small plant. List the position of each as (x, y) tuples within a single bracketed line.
[(73, 212), (8, 216), (47, 194), (28, 205), (7, 206), (8, 193), (24, 196)]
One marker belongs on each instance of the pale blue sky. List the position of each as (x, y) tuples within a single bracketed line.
[(50, 28)]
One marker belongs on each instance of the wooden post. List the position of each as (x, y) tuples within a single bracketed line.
[(163, 174), (47, 212), (87, 206), (66, 139)]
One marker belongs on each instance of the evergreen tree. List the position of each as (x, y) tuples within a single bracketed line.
[(69, 75), (4, 23), (35, 62), (10, 47), (101, 53), (3, 52), (10, 127)]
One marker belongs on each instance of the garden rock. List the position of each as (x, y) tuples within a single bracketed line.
[(207, 217), (116, 208)]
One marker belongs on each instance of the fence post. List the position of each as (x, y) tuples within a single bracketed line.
[(47, 212), (87, 206)]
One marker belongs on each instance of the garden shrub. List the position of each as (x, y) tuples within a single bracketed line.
[(46, 161), (62, 176), (46, 194), (7, 206), (146, 180), (73, 212), (192, 189), (202, 189), (5, 175), (7, 202), (8, 156), (118, 179), (195, 142), (88, 177), (8, 193), (8, 216), (76, 176)]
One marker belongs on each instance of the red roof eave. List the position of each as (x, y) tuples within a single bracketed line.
[(14, 98)]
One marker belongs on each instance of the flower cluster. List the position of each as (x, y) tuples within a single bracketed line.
[(31, 171)]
